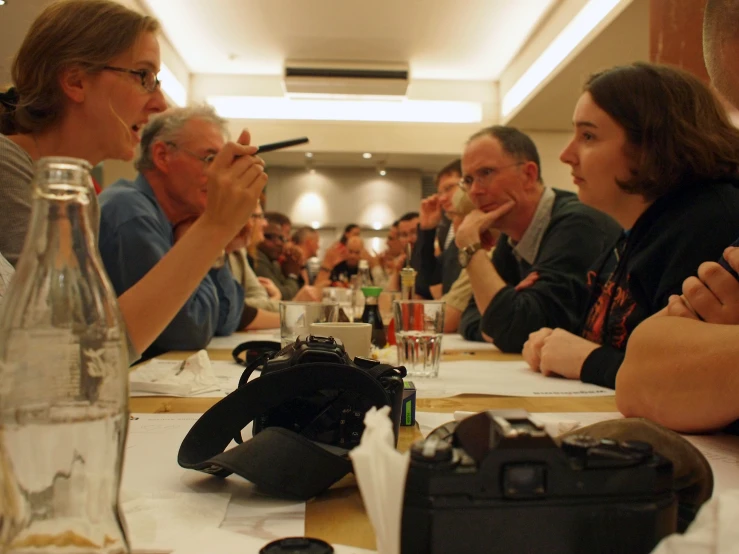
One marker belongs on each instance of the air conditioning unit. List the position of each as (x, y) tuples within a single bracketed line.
[(346, 78)]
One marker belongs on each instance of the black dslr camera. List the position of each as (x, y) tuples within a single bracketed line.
[(307, 407), (497, 482), (332, 416)]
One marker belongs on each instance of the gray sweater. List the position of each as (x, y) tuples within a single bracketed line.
[(16, 173)]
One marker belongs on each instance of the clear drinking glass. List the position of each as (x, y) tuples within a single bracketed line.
[(297, 317), (345, 298), (419, 325), (63, 380)]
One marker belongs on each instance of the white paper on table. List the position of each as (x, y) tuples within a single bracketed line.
[(500, 379), (457, 343), (225, 542), (714, 530), (227, 375), (722, 452), (164, 521), (232, 341), (191, 377), (151, 467)]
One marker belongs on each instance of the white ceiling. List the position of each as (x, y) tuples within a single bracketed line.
[(464, 40)]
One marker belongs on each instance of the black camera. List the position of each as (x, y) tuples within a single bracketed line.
[(308, 408), (332, 416), (497, 482)]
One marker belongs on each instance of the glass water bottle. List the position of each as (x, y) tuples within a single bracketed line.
[(63, 380)]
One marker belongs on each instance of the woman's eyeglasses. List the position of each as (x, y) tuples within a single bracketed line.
[(149, 79)]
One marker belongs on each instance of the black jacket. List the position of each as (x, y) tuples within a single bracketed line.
[(576, 237), (634, 279), (433, 270)]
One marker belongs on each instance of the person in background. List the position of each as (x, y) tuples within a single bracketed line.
[(351, 230), (308, 240), (342, 272), (87, 94), (259, 293), (285, 275), (548, 242), (663, 160), (141, 220), (457, 299), (282, 221), (408, 230), (438, 273), (447, 184), (680, 371)]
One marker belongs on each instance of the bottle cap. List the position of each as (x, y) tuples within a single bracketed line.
[(371, 291)]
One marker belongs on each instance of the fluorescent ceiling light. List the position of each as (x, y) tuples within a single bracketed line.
[(405, 111), (172, 86), (582, 24)]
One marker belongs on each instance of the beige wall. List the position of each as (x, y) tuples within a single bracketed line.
[(116, 169), (550, 145), (338, 196)]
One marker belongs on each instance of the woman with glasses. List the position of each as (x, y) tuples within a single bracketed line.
[(85, 83), (653, 148)]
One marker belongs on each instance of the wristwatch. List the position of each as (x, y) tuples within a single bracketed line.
[(466, 253)]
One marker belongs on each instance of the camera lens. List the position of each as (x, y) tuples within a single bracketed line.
[(297, 545)]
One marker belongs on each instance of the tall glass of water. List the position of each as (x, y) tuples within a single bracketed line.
[(297, 317), (419, 325)]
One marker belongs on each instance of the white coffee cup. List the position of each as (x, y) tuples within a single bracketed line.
[(356, 337)]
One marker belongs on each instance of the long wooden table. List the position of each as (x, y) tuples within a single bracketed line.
[(338, 515)]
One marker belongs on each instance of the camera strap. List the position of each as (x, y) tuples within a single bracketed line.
[(279, 461)]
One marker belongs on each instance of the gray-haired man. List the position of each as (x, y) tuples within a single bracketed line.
[(142, 219)]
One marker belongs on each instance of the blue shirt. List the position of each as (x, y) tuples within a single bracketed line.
[(134, 235)]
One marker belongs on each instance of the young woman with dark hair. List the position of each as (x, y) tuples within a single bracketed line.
[(654, 149)]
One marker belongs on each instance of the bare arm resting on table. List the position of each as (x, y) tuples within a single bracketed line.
[(681, 373), (233, 190)]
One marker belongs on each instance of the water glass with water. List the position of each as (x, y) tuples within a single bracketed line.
[(419, 325), (297, 317)]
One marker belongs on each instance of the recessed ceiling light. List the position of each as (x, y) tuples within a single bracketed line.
[(377, 225), (309, 154), (2, 2), (383, 172), (366, 155), (315, 224)]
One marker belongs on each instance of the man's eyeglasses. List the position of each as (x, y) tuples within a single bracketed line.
[(483, 176), (149, 79), (274, 236), (207, 159)]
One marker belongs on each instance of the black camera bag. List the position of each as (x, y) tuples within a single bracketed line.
[(279, 460)]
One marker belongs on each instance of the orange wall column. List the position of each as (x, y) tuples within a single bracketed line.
[(675, 34)]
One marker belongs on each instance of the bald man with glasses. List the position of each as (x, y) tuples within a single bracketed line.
[(548, 242)]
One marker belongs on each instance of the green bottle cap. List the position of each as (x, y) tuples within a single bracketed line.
[(371, 291)]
